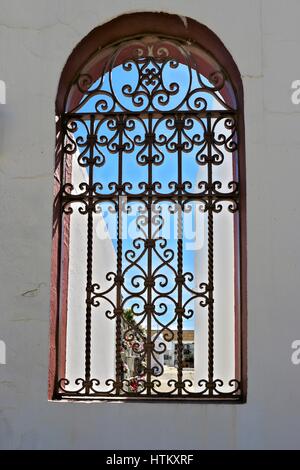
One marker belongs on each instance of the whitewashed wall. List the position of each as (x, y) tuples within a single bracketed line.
[(36, 37)]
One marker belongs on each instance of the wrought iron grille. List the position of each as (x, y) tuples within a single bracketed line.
[(152, 102)]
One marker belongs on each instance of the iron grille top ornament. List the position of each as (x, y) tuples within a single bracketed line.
[(153, 75)]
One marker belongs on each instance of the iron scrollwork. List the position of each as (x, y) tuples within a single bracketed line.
[(138, 107)]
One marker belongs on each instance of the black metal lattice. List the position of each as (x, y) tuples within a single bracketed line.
[(151, 99)]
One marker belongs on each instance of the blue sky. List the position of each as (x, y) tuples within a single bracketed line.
[(164, 173)]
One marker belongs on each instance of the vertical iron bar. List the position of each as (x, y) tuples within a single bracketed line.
[(88, 324), (211, 297), (179, 266), (210, 260), (149, 262), (119, 262)]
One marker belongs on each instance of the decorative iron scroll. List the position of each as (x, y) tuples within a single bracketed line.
[(151, 98), (142, 76)]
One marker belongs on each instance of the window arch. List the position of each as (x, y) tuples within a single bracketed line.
[(148, 274)]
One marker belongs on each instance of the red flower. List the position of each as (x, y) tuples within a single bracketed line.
[(134, 385)]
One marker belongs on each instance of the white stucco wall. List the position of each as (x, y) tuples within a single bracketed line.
[(36, 37)]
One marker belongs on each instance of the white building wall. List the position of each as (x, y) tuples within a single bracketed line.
[(224, 308), (36, 37), (103, 329)]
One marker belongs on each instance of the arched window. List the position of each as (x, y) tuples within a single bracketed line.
[(148, 277)]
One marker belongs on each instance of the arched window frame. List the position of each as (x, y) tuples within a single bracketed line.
[(116, 30)]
